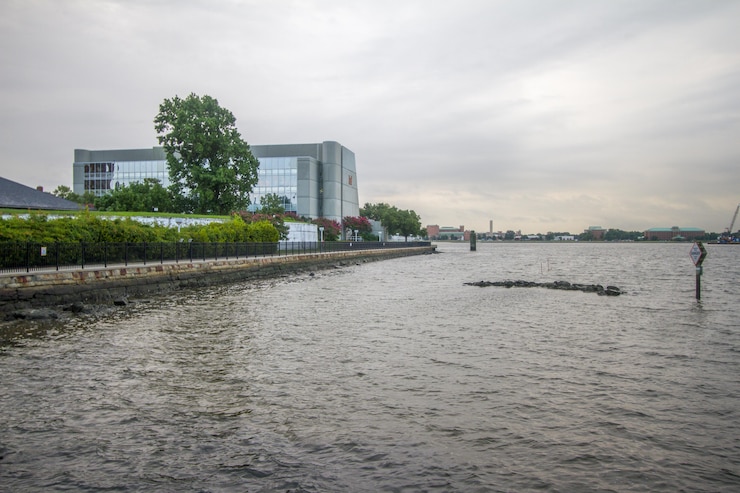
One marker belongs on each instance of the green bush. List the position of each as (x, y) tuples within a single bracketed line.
[(263, 232), (87, 227)]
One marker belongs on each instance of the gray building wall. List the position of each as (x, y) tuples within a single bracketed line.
[(327, 177)]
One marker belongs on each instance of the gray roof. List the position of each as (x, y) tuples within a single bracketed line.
[(16, 196)]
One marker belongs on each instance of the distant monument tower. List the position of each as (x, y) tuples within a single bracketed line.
[(490, 226)]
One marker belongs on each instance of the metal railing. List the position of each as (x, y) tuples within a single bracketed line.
[(29, 256)]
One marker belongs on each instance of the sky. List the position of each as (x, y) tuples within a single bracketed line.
[(539, 115)]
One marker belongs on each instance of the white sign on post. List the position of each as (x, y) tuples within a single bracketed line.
[(697, 253)]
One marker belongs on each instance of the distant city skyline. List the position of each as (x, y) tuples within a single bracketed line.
[(545, 116)]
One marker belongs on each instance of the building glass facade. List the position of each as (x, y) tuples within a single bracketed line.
[(136, 171), (99, 172), (279, 176)]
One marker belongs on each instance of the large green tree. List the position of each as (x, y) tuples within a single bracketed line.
[(211, 167), (394, 220), (148, 195)]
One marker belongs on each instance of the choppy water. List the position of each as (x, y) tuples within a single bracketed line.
[(394, 376)]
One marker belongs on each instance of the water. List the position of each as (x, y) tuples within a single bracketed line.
[(393, 376)]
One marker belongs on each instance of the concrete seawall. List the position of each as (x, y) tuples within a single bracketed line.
[(106, 284)]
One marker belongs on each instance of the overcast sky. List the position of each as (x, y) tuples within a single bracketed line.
[(541, 115)]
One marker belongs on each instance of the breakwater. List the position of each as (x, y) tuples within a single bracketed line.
[(107, 284)]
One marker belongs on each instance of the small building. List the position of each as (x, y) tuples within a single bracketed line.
[(674, 233)]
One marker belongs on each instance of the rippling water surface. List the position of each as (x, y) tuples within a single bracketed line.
[(393, 376)]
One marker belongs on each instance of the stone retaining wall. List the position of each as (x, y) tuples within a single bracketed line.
[(103, 285)]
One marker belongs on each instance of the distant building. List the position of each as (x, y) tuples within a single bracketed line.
[(16, 196), (313, 180), (674, 233), (434, 232), (596, 232)]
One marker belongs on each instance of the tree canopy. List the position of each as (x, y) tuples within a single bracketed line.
[(272, 203), (211, 167), (397, 222), (63, 191), (145, 196)]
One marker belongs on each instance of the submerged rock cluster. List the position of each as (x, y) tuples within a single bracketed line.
[(562, 285)]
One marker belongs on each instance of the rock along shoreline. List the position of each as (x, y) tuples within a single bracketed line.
[(561, 285)]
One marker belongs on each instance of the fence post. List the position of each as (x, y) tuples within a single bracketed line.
[(145, 253), (56, 255), (161, 252), (105, 254), (82, 251)]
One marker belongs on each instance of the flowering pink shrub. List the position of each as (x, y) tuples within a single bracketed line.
[(359, 223)]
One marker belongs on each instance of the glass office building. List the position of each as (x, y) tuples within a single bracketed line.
[(100, 172), (279, 176), (313, 180)]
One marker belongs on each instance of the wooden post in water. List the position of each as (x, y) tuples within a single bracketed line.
[(698, 283), (698, 253), (472, 241)]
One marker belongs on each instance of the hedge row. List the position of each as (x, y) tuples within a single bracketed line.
[(89, 228)]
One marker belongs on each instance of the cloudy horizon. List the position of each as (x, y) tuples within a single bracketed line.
[(539, 115)]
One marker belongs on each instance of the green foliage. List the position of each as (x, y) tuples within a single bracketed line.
[(277, 220), (263, 232), (235, 230), (211, 167), (394, 220), (619, 235), (90, 228), (272, 203), (64, 192), (148, 195)]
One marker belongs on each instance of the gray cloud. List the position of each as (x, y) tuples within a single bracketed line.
[(539, 115)]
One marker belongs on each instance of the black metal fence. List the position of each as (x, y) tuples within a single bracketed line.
[(27, 257)]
